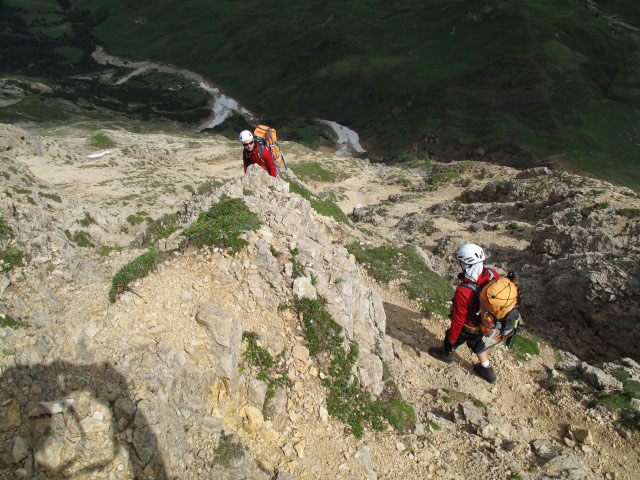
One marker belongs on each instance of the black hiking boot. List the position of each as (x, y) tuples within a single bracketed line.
[(485, 372), (439, 353)]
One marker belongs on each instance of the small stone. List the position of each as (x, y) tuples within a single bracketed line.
[(20, 449), (288, 451), (300, 352), (269, 435), (299, 447), (253, 419), (400, 446), (583, 435), (324, 415), (12, 418)]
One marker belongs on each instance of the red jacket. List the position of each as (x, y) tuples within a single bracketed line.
[(266, 162), (463, 305)]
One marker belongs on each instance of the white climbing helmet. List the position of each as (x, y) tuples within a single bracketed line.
[(470, 253), (246, 136)]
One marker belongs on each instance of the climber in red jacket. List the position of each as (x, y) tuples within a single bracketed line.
[(464, 319), (254, 153)]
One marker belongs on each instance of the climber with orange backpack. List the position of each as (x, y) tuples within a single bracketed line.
[(262, 147), (483, 305)]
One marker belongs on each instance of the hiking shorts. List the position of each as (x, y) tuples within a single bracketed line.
[(474, 341)]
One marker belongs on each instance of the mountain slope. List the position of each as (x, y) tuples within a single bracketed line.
[(160, 383), (521, 80)]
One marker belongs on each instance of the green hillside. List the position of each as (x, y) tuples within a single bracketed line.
[(523, 80)]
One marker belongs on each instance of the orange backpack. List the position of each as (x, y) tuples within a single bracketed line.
[(497, 298), (266, 138)]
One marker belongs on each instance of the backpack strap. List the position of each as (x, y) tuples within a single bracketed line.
[(475, 287)]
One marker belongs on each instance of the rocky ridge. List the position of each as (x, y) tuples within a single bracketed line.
[(152, 386)]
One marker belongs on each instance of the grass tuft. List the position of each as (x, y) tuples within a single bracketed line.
[(323, 207), (83, 239), (137, 268), (525, 343), (389, 263), (11, 257), (347, 401), (223, 224), (100, 140)]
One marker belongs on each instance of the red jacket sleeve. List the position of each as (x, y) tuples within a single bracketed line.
[(459, 310), (245, 160), (267, 158)]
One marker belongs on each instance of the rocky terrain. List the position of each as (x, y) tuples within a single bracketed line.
[(160, 382)]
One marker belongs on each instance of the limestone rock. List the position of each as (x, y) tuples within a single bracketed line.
[(12, 418), (302, 288), (226, 332), (253, 419), (276, 409), (20, 449)]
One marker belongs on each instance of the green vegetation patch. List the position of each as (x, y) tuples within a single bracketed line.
[(345, 399), (323, 207), (207, 188), (228, 451), (525, 343), (83, 239), (442, 178), (297, 270), (50, 196), (388, 263), (137, 268), (630, 212), (222, 225), (313, 171), (8, 321), (11, 257), (134, 219), (159, 229), (269, 369), (100, 140)]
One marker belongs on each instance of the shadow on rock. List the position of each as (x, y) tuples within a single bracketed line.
[(66, 421), (404, 325)]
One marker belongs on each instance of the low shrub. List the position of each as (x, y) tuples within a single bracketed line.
[(345, 399), (158, 229), (269, 369), (222, 225), (83, 239), (137, 268), (207, 187), (7, 320)]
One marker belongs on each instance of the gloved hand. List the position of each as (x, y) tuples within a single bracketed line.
[(448, 346)]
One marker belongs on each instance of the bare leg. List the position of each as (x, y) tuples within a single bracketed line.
[(483, 357)]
